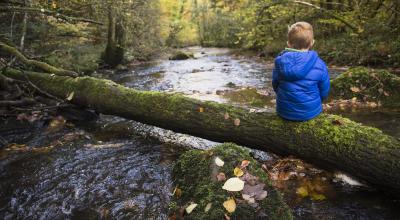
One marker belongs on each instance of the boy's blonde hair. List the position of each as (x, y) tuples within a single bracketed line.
[(301, 35)]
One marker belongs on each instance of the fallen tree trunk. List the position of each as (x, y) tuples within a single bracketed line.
[(328, 140)]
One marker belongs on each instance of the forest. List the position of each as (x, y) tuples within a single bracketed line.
[(166, 109)]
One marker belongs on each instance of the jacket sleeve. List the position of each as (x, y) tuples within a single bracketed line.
[(275, 78), (324, 84)]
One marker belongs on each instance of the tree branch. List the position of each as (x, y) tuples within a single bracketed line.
[(34, 63), (48, 13)]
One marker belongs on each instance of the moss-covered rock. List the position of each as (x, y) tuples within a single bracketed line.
[(195, 176), (179, 55), (368, 85)]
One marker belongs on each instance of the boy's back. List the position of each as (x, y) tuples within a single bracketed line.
[(301, 81)]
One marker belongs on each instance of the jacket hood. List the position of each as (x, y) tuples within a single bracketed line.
[(295, 65)]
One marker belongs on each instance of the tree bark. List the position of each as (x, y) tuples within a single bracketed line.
[(328, 140), (9, 50)]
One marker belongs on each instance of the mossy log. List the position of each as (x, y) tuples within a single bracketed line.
[(328, 140), (195, 178), (9, 50), (369, 85)]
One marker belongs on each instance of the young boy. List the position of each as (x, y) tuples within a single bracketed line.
[(300, 78)]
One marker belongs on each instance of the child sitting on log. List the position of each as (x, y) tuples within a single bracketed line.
[(300, 78)]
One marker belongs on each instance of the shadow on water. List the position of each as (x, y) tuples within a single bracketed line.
[(116, 168)]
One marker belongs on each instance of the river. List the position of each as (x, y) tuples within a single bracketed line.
[(117, 168)]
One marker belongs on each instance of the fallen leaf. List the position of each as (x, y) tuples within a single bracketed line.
[(355, 89), (172, 217), (233, 184), (238, 172), (190, 208), (230, 205), (337, 122), (302, 191), (253, 190), (201, 109), (221, 177), (226, 116), (250, 179), (219, 162), (261, 195), (70, 96), (317, 197), (245, 163), (236, 122), (208, 207), (386, 93), (248, 198), (178, 192)]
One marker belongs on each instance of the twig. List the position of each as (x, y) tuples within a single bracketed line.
[(39, 90), (48, 13)]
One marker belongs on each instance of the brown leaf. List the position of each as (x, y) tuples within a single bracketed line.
[(236, 122), (355, 89), (245, 163), (177, 192), (253, 190), (337, 122), (226, 116), (221, 177)]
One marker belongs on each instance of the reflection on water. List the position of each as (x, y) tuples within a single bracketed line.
[(116, 168)]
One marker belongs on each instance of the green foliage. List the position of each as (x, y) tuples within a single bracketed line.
[(368, 84)]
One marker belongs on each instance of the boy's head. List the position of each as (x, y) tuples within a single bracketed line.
[(300, 36)]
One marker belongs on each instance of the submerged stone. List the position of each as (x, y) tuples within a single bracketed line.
[(179, 55)]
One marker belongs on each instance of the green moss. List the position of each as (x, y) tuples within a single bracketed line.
[(179, 55), (194, 174), (248, 96), (368, 84)]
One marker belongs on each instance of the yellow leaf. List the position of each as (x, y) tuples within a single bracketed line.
[(219, 162), (230, 205), (201, 109), (318, 197), (190, 208), (54, 5), (238, 172), (302, 191), (233, 184), (208, 207), (70, 96)]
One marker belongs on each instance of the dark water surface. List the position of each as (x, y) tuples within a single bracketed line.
[(116, 168)]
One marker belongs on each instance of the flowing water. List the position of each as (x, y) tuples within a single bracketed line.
[(116, 168)]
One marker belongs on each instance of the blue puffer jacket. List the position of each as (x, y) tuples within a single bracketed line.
[(301, 81)]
